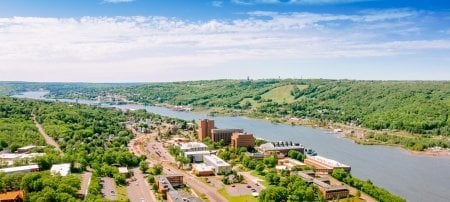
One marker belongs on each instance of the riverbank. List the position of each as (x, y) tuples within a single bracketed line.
[(358, 135)]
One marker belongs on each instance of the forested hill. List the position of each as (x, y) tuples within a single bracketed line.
[(415, 106)]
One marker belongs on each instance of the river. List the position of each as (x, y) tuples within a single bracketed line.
[(414, 177)]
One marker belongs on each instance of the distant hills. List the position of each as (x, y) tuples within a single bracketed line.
[(421, 107)]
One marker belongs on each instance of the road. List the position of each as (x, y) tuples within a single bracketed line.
[(108, 188), (163, 157), (48, 139), (139, 190)]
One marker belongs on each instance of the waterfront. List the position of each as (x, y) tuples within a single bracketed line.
[(416, 178)]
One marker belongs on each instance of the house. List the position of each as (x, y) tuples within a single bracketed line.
[(21, 169), (124, 171), (61, 169), (12, 196)]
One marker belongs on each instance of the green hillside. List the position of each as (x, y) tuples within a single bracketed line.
[(417, 107)]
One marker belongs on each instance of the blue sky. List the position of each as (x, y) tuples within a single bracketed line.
[(167, 40)]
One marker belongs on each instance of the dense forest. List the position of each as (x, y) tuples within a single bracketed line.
[(417, 107), (16, 125)]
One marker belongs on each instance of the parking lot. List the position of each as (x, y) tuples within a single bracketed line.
[(108, 188), (243, 189)]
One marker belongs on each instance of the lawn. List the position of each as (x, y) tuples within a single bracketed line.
[(243, 198), (122, 194), (282, 94)]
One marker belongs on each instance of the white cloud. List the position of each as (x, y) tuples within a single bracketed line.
[(217, 3), (301, 2), (147, 45), (117, 1)]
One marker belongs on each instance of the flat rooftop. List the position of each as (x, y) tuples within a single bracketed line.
[(202, 167), (190, 145), (62, 169), (216, 160), (326, 161), (197, 152), (19, 168)]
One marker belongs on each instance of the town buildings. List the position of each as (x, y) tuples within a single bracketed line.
[(7, 159), (196, 156), (124, 171), (217, 163), (291, 163), (25, 149), (201, 169), (242, 140), (281, 148), (325, 165), (255, 156), (61, 169), (331, 192), (205, 127), (21, 169), (166, 184), (12, 196), (193, 146), (224, 134)]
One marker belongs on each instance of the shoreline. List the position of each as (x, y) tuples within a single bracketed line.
[(346, 131), (329, 128)]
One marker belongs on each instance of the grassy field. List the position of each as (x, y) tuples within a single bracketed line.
[(243, 198), (122, 194), (280, 94)]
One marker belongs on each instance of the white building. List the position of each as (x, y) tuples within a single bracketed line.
[(21, 169), (217, 163), (9, 158), (196, 156), (193, 146), (61, 169), (201, 169)]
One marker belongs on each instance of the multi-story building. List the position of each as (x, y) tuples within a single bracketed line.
[(196, 156), (242, 140), (205, 127), (193, 146), (281, 148), (224, 134), (325, 165), (167, 183), (331, 192), (217, 163)]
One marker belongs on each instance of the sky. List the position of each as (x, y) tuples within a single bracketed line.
[(173, 40)]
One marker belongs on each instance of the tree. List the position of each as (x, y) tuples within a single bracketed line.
[(273, 193), (143, 166), (271, 160)]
